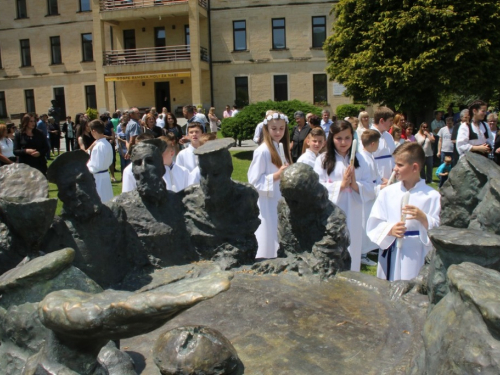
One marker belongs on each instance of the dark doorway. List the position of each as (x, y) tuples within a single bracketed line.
[(61, 102), (160, 43), (162, 96), (129, 43)]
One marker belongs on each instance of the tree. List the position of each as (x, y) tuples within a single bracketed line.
[(407, 53)]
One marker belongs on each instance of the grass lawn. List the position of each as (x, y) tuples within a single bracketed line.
[(241, 162)]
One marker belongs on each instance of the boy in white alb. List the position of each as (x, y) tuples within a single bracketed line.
[(382, 121), (128, 179), (186, 157), (101, 157), (176, 177), (404, 243), (314, 142)]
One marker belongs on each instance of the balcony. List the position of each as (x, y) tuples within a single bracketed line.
[(109, 5), (151, 55)]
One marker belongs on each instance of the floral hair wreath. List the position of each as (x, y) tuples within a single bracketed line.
[(275, 116)]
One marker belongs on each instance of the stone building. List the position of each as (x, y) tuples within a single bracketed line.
[(110, 54)]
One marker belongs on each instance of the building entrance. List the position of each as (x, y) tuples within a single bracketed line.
[(162, 96)]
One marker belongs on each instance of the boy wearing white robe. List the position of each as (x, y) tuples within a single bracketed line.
[(101, 157), (186, 158), (385, 226), (384, 160), (314, 142)]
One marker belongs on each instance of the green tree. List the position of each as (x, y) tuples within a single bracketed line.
[(408, 53), (242, 126)]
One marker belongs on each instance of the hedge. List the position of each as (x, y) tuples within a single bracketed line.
[(349, 110)]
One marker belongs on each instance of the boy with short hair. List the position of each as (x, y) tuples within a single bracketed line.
[(443, 170), (370, 140), (128, 179), (186, 157), (101, 157), (176, 177), (385, 228), (382, 122)]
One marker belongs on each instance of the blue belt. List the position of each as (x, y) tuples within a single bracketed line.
[(104, 171), (383, 157)]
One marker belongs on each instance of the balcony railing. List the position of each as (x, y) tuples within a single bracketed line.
[(151, 55), (106, 5)]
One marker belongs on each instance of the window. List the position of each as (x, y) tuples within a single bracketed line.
[(239, 35), (52, 9), (320, 91), (55, 50), (280, 88), (25, 52), (318, 31), (187, 37), (87, 50), (241, 86), (3, 105), (85, 6), (90, 98), (29, 99), (21, 9), (279, 39)]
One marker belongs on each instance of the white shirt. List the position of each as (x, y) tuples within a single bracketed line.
[(326, 126), (160, 122), (7, 147), (176, 178), (258, 132), (101, 158), (187, 159), (308, 157), (445, 138), (464, 144), (383, 156), (128, 180)]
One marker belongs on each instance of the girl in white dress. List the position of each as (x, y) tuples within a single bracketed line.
[(313, 144), (269, 161), (348, 187)]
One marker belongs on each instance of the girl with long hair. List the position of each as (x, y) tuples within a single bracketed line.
[(30, 145), (349, 187), (269, 161)]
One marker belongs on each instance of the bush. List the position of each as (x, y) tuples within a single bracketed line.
[(242, 126), (92, 113), (349, 110)]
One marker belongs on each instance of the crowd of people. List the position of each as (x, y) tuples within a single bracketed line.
[(377, 173)]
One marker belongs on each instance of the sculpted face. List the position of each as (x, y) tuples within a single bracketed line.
[(148, 170), (78, 194), (215, 176)]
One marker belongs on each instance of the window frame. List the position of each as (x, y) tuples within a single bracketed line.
[(187, 35), (315, 90), (88, 95), (29, 98), (54, 48), (21, 6), (276, 29), (243, 102), (274, 87), (25, 53), (49, 8), (84, 42), (3, 105), (312, 30), (239, 30), (89, 6)]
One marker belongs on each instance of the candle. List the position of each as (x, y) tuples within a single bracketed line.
[(404, 202), (282, 154), (392, 178), (353, 151)]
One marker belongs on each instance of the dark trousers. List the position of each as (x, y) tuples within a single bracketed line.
[(442, 180), (426, 171), (70, 144)]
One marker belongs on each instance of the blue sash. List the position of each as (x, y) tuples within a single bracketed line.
[(383, 157), (104, 171), (388, 252)]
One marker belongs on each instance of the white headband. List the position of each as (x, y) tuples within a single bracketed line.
[(275, 116)]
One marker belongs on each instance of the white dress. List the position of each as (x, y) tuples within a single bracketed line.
[(187, 159), (101, 158), (194, 176), (348, 200), (176, 178), (260, 175), (366, 244), (386, 212), (308, 157), (383, 156), (128, 179)]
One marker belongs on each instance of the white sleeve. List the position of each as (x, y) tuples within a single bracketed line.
[(463, 139), (264, 183), (128, 180), (365, 184), (98, 159), (333, 187), (378, 225), (194, 177)]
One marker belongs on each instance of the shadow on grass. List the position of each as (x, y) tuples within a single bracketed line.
[(243, 155)]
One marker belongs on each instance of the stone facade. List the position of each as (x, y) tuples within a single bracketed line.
[(134, 73)]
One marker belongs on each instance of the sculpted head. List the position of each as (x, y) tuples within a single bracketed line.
[(216, 167), (302, 190), (148, 168), (76, 185)]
